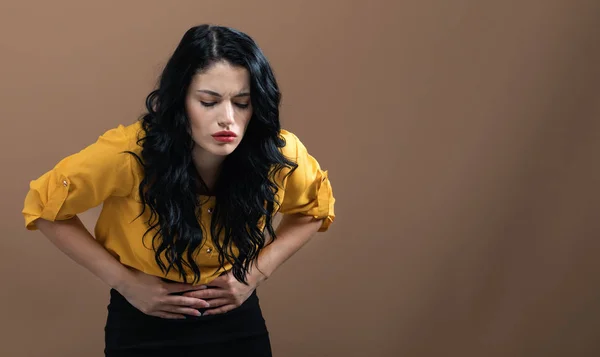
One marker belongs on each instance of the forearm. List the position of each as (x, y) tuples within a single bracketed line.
[(73, 239), (293, 232)]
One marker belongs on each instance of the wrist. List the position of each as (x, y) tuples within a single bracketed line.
[(257, 277), (121, 280)]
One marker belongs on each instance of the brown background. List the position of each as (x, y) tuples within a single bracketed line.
[(462, 141)]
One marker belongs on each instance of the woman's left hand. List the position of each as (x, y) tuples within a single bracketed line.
[(225, 293)]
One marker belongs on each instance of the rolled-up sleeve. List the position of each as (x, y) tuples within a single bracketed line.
[(307, 190), (81, 181)]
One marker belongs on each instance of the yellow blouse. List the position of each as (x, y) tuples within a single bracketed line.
[(102, 174)]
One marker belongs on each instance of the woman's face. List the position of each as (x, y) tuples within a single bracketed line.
[(219, 108)]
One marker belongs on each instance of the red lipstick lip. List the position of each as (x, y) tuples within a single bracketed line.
[(224, 133)]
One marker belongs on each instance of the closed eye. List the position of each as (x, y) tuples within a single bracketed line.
[(212, 104)]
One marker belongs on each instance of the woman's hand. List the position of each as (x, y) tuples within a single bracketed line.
[(225, 293), (152, 296)]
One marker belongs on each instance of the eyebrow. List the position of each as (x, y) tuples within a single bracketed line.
[(241, 94)]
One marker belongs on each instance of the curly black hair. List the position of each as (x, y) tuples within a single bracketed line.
[(246, 190)]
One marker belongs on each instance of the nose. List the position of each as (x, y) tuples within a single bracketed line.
[(227, 118)]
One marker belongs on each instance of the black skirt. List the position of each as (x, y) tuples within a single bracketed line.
[(240, 332)]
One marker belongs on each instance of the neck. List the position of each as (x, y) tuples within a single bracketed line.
[(208, 166)]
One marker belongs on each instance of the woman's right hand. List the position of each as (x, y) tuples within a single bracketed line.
[(148, 293), (153, 296)]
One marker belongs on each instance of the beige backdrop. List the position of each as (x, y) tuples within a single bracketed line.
[(461, 137)]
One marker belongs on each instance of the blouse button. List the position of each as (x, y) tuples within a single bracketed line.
[(210, 210), (65, 183), (208, 250)]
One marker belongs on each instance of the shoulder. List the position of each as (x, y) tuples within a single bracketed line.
[(290, 149), (122, 137), (131, 131)]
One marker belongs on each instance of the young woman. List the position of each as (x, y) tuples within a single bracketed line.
[(189, 194)]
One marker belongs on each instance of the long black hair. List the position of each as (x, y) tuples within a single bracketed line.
[(246, 188)]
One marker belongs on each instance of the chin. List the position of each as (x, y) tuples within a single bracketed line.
[(223, 150)]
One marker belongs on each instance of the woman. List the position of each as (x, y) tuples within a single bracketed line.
[(189, 192)]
